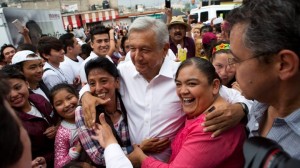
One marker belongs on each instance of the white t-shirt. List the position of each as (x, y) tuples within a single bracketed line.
[(35, 112), (40, 92), (71, 68), (53, 76)]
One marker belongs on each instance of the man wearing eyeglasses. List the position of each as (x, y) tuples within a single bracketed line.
[(265, 41)]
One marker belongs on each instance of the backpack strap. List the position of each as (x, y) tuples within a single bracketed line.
[(47, 69)]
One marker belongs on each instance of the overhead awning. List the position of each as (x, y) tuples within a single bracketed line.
[(73, 20), (99, 16)]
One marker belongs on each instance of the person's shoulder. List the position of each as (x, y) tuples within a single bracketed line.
[(190, 39), (127, 65), (34, 96), (80, 59), (40, 101), (48, 70), (66, 62), (172, 63)]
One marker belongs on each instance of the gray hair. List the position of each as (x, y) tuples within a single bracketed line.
[(156, 25), (271, 25)]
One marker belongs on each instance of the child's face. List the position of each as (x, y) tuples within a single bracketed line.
[(65, 104)]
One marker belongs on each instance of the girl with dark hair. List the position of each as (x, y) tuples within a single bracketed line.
[(35, 112), (64, 99)]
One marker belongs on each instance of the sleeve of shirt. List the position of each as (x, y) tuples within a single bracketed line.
[(85, 88), (92, 147), (82, 73), (62, 147), (234, 96), (51, 80), (115, 158)]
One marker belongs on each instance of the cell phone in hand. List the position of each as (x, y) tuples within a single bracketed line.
[(18, 25), (168, 3)]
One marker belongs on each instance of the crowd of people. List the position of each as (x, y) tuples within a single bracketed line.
[(156, 94)]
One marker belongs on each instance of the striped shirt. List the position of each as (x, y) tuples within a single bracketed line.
[(92, 147), (285, 131)]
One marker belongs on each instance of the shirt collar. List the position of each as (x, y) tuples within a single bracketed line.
[(293, 121)]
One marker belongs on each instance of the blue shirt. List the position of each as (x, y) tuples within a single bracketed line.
[(285, 131)]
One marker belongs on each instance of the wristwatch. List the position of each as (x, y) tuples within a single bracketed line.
[(245, 108), (246, 111)]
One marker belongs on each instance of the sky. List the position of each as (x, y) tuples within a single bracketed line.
[(147, 3)]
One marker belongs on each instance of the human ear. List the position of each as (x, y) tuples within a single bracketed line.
[(117, 83), (216, 86), (288, 65)]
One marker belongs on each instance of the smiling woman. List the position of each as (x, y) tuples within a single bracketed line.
[(34, 111), (103, 78), (14, 139)]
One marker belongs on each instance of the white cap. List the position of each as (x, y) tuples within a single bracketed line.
[(22, 56)]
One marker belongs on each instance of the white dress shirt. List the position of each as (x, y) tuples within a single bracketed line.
[(115, 158), (82, 71), (153, 109)]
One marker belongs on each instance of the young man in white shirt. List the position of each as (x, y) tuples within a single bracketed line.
[(51, 49), (101, 37), (72, 60)]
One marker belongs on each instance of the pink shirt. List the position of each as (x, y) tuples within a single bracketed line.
[(194, 148), (65, 142)]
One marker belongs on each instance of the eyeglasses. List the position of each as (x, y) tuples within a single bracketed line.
[(233, 61)]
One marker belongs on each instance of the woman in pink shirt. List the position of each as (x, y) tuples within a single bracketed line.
[(198, 89)]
